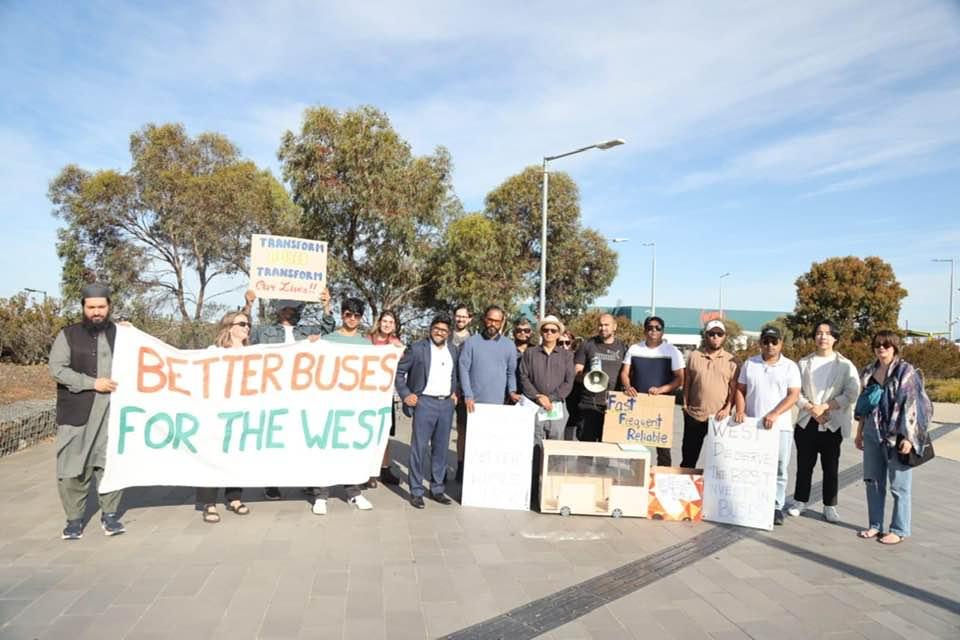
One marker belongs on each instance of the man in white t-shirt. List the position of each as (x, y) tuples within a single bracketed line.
[(655, 367), (768, 387)]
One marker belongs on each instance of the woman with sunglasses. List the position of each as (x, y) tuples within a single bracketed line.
[(892, 413), (233, 333), (385, 333)]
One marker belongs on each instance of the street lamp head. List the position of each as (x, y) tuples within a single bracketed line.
[(609, 144), (618, 240), (725, 274), (648, 244)]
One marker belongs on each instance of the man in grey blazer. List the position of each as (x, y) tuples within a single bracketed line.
[(427, 382)]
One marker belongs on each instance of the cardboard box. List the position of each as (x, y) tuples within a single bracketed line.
[(644, 420), (594, 478), (676, 494)]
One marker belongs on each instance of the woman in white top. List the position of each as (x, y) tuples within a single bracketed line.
[(233, 333), (829, 388)]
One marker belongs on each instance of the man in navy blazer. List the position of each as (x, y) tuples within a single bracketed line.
[(427, 384)]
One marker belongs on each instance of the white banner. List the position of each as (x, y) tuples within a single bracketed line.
[(287, 268), (740, 473), (499, 457), (310, 414)]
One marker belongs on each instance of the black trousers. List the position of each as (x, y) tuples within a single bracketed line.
[(694, 431), (811, 442), (591, 424), (208, 495)]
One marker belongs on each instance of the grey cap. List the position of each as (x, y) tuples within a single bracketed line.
[(283, 304), (95, 290)]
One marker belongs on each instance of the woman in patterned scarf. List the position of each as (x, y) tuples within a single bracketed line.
[(892, 417)]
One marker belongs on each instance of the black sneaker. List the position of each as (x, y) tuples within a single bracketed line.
[(387, 477), (417, 502), (111, 524), (73, 530), (439, 497), (778, 516), (271, 493)]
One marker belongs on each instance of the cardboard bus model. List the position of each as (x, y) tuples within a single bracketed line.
[(594, 478)]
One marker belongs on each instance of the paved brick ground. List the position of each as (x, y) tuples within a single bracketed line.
[(398, 573)]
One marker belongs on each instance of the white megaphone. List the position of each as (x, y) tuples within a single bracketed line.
[(596, 380)]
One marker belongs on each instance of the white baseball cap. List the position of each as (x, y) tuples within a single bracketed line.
[(714, 324)]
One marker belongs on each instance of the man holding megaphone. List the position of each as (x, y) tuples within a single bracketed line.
[(598, 365)]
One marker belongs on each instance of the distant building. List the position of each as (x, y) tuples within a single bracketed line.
[(684, 324)]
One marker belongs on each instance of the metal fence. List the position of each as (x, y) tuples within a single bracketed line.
[(26, 423)]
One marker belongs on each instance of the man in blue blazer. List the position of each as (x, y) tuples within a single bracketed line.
[(427, 382)]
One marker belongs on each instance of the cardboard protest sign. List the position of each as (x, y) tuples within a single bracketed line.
[(499, 457), (303, 414), (676, 494), (740, 473), (287, 268), (645, 419)]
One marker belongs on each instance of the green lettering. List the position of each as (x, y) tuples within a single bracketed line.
[(168, 438), (228, 427), (124, 427), (274, 427), (339, 428), (385, 413), (319, 441), (252, 431), (362, 419), (183, 435)]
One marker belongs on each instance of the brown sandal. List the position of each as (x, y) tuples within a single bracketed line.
[(210, 515), (238, 508), (888, 540), (868, 534)]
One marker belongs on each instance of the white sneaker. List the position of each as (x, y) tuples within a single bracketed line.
[(796, 508), (361, 503), (830, 514), (319, 507)]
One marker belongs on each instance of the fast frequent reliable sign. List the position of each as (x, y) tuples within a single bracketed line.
[(287, 268), (304, 414), (644, 419)]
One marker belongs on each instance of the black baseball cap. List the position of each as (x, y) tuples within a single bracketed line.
[(771, 332)]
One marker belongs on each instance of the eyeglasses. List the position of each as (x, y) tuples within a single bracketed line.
[(436, 329), (547, 330), (716, 334), (770, 341), (241, 324), (523, 330), (653, 327), (564, 343), (351, 314), (462, 317)]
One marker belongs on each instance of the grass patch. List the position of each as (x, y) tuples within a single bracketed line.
[(944, 389)]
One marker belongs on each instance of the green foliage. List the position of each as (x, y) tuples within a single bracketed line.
[(944, 390), (380, 208), (27, 329), (860, 295), (585, 326), (580, 263), (182, 214)]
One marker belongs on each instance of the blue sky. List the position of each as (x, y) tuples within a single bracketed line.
[(760, 136)]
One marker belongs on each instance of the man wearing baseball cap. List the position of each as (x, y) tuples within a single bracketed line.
[(709, 389), (546, 377), (767, 388)]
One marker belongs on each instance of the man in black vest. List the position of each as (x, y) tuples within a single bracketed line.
[(80, 362)]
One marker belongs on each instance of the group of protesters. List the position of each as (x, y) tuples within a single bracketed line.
[(441, 378)]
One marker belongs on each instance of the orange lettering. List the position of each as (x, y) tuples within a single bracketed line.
[(155, 369), (248, 372), (345, 366), (389, 366), (325, 386), (173, 376), (205, 363), (269, 369), (301, 376), (368, 371), (231, 362)]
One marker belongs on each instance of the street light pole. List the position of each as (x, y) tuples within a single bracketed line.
[(603, 146), (40, 291), (721, 293), (950, 319), (653, 276)]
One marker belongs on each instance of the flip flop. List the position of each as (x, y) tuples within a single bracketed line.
[(884, 539), (868, 534)]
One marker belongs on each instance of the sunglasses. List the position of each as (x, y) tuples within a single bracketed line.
[(241, 324), (653, 327), (770, 341), (883, 345), (351, 314), (716, 334), (564, 343), (527, 330), (549, 330)]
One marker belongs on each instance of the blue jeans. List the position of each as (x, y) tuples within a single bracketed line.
[(432, 419), (783, 461), (878, 467)]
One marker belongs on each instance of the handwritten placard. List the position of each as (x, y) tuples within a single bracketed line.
[(740, 473), (308, 414), (288, 268), (499, 457), (676, 494), (645, 419)]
